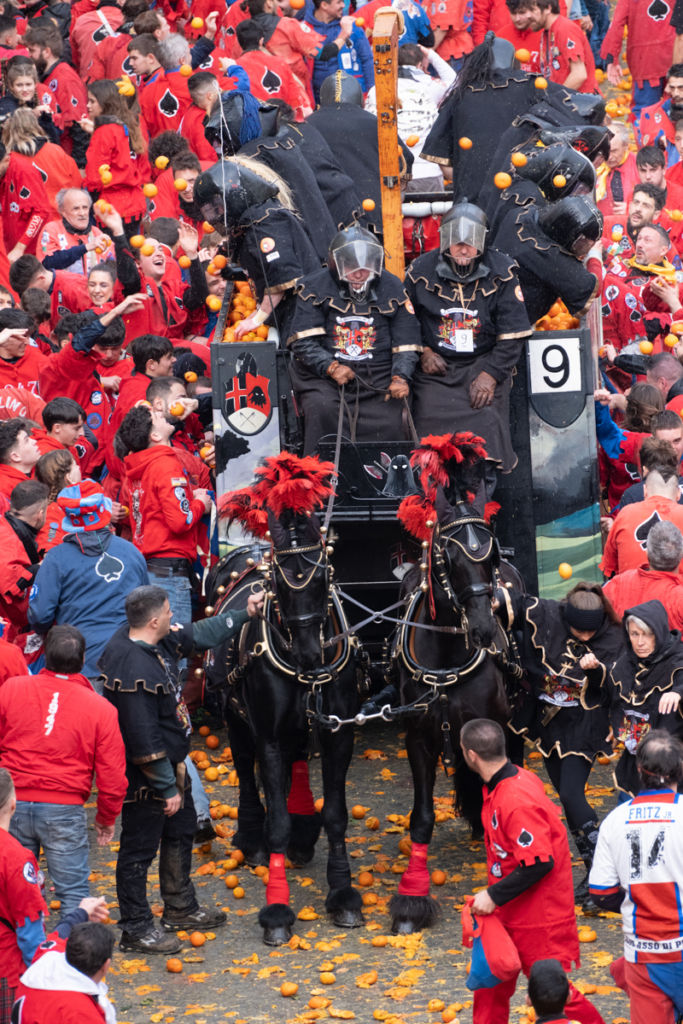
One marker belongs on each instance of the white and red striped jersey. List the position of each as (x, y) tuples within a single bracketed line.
[(640, 849)]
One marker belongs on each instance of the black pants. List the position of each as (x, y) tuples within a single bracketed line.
[(569, 776), (146, 831)]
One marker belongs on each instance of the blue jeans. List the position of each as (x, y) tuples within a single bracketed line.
[(61, 830), (179, 591)]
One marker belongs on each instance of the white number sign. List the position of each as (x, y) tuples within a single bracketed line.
[(554, 365)]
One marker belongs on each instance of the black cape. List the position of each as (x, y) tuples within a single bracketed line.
[(483, 115), (520, 195), (545, 270), (551, 656), (337, 188), (632, 688), (351, 134), (283, 154)]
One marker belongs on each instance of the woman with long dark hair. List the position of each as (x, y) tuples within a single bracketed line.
[(555, 637), (117, 165)]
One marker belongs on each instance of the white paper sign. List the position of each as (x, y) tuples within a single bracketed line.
[(554, 365)]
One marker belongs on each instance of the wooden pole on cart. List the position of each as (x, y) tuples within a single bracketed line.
[(385, 35)]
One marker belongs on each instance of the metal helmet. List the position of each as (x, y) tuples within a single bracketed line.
[(592, 141), (466, 224), (352, 250), (341, 88), (590, 106), (225, 191), (573, 223), (503, 53), (546, 163)]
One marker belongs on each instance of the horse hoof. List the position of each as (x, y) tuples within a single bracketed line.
[(403, 928), (277, 936), (412, 913), (305, 831), (256, 858), (299, 858), (347, 919)]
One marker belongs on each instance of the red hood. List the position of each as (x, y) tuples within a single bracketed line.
[(138, 463)]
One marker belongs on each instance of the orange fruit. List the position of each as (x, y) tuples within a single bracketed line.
[(147, 249), (190, 376), (197, 23), (232, 881), (676, 215), (559, 181), (502, 180), (379, 940), (288, 988), (174, 966), (212, 742), (360, 22), (237, 854), (107, 176), (438, 877), (365, 879), (319, 804), (205, 847), (367, 204), (238, 893), (670, 340), (447, 1016), (617, 234), (207, 228), (372, 824), (542, 83), (565, 570), (465, 143), (197, 939), (232, 813), (612, 108), (137, 241), (646, 347), (150, 190), (180, 184), (369, 899), (523, 56), (261, 870), (177, 409), (318, 1002), (220, 262), (161, 163), (436, 1004), (204, 730), (214, 304), (412, 140), (405, 846), (185, 70), (55, 904), (587, 935), (519, 160), (327, 978), (262, 332), (604, 759), (297, 4), (358, 812), (211, 774)]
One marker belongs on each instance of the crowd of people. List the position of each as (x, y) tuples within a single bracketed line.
[(153, 158)]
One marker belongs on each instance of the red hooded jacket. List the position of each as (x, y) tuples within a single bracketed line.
[(89, 31), (15, 578), (164, 514), (635, 586), (163, 101), (24, 204), (70, 374), (25, 371), (66, 93), (21, 897), (69, 295), (110, 144), (649, 42), (78, 735)]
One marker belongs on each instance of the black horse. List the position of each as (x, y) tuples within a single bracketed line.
[(458, 667), (280, 678)]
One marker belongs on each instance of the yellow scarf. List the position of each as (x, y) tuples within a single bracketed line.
[(663, 269), (602, 171)]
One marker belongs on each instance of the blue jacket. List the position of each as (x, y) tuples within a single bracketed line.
[(356, 60), (84, 582), (416, 21)]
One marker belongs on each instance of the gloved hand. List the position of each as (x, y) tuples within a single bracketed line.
[(432, 363), (482, 389), (340, 374), (397, 389)]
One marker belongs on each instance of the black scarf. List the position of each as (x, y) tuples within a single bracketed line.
[(26, 534)]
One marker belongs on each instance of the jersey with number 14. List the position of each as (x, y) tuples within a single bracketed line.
[(640, 848)]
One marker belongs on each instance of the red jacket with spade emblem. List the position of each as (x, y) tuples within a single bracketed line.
[(650, 39), (164, 98), (24, 205)]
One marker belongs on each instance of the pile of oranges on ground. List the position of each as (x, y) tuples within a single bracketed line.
[(243, 305), (558, 318)]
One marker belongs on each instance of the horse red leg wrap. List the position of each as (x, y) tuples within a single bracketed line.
[(415, 879), (277, 890), (300, 797)]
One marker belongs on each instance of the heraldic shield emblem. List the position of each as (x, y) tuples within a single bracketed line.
[(246, 403)]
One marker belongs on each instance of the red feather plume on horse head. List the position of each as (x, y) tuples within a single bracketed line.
[(239, 506), (285, 483), (436, 451), (415, 512)]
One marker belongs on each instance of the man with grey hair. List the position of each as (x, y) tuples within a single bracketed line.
[(663, 370), (75, 242), (658, 580), (622, 174)]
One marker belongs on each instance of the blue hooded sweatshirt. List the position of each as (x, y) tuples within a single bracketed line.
[(355, 59), (84, 582)]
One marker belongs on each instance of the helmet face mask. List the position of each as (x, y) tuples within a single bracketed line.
[(545, 163), (464, 224), (227, 190), (357, 259), (574, 224)]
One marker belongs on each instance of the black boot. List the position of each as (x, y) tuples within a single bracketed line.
[(586, 839)]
